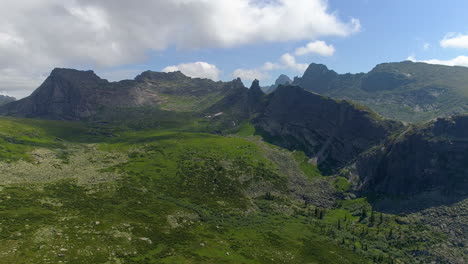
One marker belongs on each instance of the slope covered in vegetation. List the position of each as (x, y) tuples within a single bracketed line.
[(83, 193)]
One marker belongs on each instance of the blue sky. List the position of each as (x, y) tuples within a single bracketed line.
[(390, 31), (223, 39)]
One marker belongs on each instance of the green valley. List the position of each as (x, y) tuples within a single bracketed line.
[(172, 196)]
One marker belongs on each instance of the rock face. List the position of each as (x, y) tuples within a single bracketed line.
[(423, 159), (69, 94), (404, 91), (241, 103), (332, 132)]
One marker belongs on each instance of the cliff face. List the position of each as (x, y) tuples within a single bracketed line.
[(424, 159), (332, 132)]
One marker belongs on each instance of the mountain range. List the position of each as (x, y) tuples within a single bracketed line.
[(406, 91), (166, 168)]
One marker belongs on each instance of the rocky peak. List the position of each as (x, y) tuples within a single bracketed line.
[(255, 87), (317, 69), (166, 76), (317, 75), (255, 94), (282, 80), (73, 75), (237, 83)]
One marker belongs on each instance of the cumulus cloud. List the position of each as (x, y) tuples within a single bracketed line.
[(454, 40), (457, 61), (318, 47), (197, 69), (289, 61), (36, 36)]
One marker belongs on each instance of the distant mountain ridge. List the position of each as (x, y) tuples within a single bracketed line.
[(405, 91), (283, 79), (4, 99)]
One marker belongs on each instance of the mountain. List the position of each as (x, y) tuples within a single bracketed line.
[(296, 119), (69, 94), (329, 131), (429, 158), (406, 91), (281, 80), (170, 169), (4, 99)]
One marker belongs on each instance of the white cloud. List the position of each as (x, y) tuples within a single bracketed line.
[(289, 61), (286, 61), (316, 47), (457, 61), (249, 75), (197, 69), (453, 40), (426, 46), (36, 36)]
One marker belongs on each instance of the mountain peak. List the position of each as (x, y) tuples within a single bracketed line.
[(74, 75), (318, 68), (255, 85), (318, 75), (283, 79), (152, 75), (255, 91)]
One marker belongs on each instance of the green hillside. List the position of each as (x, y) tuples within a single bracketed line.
[(82, 193)]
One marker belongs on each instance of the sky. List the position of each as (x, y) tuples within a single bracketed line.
[(223, 39)]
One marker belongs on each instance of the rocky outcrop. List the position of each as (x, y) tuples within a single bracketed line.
[(431, 158), (332, 132)]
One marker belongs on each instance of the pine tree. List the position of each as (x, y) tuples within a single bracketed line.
[(381, 219), (339, 224), (363, 214), (372, 218), (321, 214)]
